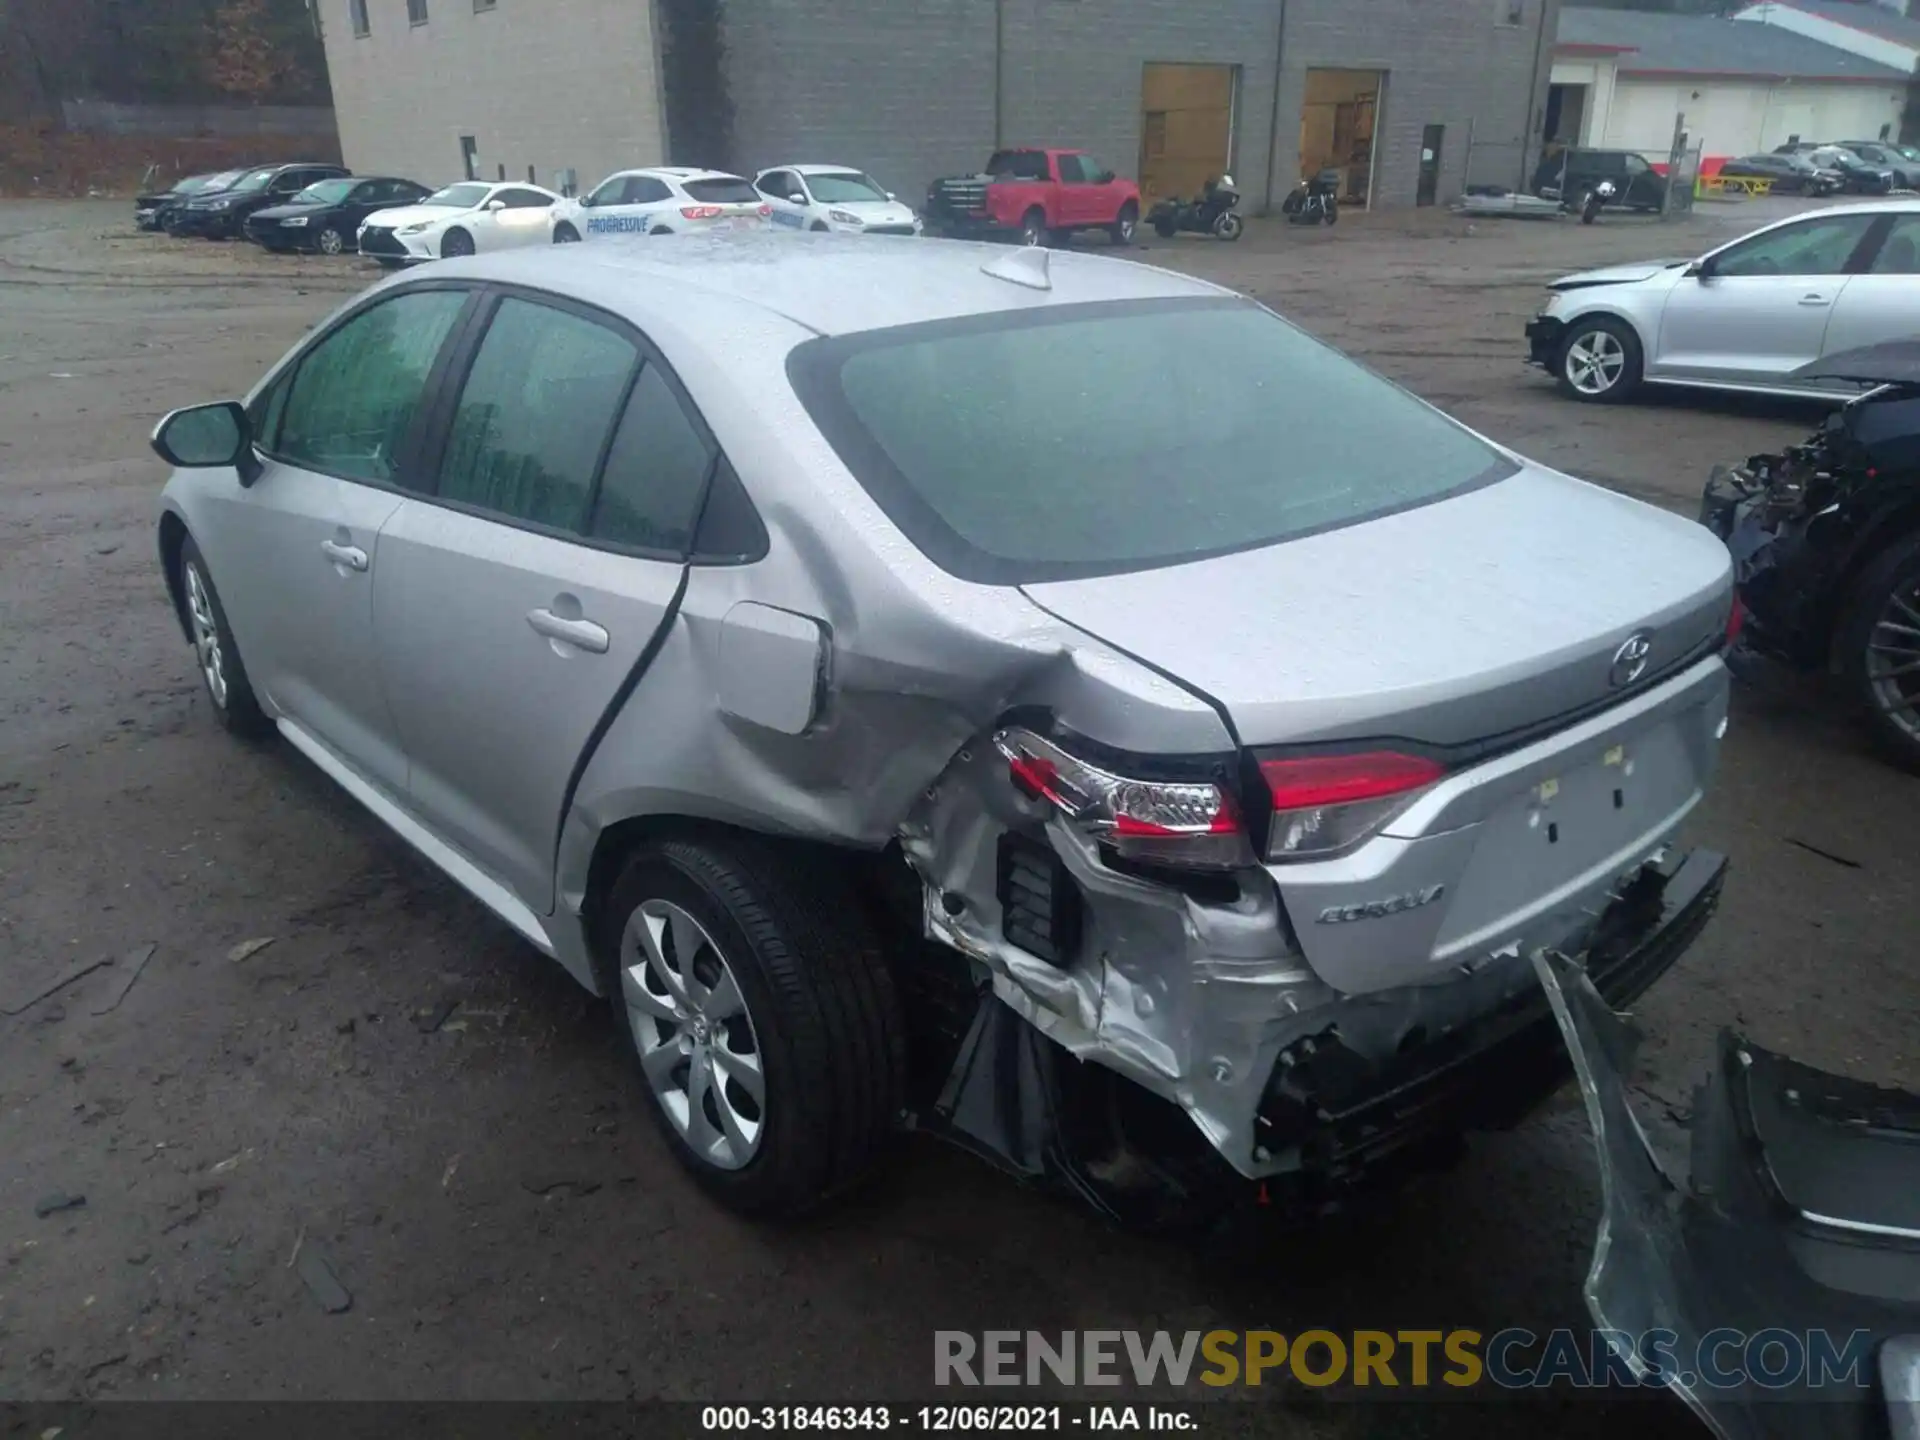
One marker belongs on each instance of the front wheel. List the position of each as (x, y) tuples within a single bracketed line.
[(1880, 651), (1229, 226), (456, 244), (214, 651), (1600, 360), (761, 1012), (331, 241), (565, 234), (1332, 212), (1121, 231)]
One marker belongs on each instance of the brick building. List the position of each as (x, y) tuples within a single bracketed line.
[(1412, 99)]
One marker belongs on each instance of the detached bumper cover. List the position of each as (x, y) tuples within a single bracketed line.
[(1801, 1216), (1544, 336)]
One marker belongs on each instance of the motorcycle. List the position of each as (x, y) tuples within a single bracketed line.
[(1314, 200), (1212, 212), (1589, 204), (1825, 540)]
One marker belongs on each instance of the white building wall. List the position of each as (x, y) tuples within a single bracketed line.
[(1724, 117), (1832, 32), (535, 83)]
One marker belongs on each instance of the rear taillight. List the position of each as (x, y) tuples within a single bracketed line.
[(1169, 822), (1326, 804), (1736, 620), (765, 211), (702, 212)]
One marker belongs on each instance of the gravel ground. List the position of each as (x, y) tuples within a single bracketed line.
[(490, 1191)]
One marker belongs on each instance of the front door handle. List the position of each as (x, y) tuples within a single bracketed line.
[(1813, 300), (351, 556), (581, 634)]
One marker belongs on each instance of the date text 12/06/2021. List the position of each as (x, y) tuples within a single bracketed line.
[(944, 1419)]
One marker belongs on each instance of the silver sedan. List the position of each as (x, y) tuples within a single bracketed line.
[(1035, 694), (1742, 317)]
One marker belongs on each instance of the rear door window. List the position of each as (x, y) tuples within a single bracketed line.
[(1096, 439), (534, 415), (352, 401), (656, 472)]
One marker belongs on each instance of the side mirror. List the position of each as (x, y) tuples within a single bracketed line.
[(1698, 270), (1106, 178), (496, 205), (208, 437), (892, 196), (796, 198)]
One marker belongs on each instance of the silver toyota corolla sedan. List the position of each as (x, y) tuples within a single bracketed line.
[(1033, 697), (1742, 317)]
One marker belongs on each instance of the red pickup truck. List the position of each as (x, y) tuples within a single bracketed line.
[(1040, 195)]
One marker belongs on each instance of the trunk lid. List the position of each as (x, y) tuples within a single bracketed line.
[(1447, 624)]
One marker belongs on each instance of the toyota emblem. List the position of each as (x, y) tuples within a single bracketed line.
[(1630, 660)]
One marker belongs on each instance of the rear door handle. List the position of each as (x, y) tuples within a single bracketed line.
[(581, 634), (351, 556)]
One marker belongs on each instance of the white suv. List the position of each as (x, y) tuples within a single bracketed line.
[(659, 201)]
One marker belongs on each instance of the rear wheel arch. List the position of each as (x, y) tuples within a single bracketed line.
[(173, 543)]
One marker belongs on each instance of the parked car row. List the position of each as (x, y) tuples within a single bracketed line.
[(1034, 195)]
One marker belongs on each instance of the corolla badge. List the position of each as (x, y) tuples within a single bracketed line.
[(1380, 909), (1630, 660)]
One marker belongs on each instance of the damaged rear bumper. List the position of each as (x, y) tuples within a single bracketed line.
[(1800, 1221), (1317, 1112)]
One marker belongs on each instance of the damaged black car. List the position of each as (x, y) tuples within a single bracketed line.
[(1825, 539)]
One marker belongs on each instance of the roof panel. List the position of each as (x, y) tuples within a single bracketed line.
[(1711, 45)]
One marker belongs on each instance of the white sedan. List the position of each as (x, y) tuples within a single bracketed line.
[(833, 197), (661, 200), (470, 218)]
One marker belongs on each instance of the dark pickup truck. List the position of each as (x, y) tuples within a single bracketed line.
[(1042, 196)]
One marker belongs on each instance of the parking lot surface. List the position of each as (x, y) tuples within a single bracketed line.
[(399, 1084)]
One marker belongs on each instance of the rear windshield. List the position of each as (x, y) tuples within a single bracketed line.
[(1097, 439), (723, 192)]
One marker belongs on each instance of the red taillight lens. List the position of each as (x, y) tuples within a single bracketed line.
[(701, 212), (1173, 822), (1326, 804), (1736, 620), (765, 211)]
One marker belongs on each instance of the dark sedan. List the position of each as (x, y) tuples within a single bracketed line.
[(1861, 177), (1790, 174), (327, 215), (151, 208), (1902, 160), (222, 214)]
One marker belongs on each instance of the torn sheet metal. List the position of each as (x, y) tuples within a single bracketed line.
[(1734, 1251)]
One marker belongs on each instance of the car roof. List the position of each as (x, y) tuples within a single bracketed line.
[(829, 284), (818, 169), (675, 172)]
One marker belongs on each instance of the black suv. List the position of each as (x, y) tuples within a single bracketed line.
[(1636, 185), (222, 214)]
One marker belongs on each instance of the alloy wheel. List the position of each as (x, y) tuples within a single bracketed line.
[(1893, 660), (1595, 361), (206, 636), (332, 242), (695, 1036)]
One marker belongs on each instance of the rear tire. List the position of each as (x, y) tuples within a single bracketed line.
[(216, 656), (1164, 227), (1128, 220), (1600, 361), (455, 244), (1033, 227), (1879, 640), (810, 1019)]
